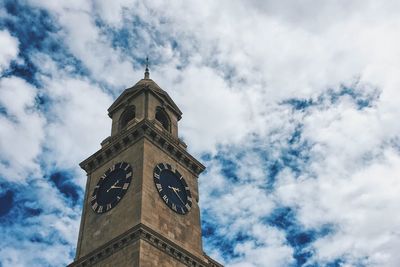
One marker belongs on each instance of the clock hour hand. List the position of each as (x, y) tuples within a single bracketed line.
[(176, 190), (113, 186)]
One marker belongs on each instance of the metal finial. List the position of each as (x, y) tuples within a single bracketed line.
[(146, 71)]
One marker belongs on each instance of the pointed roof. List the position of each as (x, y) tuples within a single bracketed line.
[(144, 84)]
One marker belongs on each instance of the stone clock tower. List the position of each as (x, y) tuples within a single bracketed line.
[(141, 200)]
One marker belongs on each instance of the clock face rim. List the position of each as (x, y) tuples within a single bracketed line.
[(127, 168), (157, 176)]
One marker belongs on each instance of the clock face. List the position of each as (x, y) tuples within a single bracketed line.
[(172, 188), (111, 187)]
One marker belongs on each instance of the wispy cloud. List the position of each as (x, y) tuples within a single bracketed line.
[(293, 108)]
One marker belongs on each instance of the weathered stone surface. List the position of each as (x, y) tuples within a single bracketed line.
[(101, 228), (185, 230)]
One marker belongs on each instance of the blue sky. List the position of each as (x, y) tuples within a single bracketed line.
[(292, 106)]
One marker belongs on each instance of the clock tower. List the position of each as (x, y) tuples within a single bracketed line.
[(141, 200)]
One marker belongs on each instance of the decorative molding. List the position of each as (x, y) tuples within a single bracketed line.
[(145, 85), (142, 232), (112, 146)]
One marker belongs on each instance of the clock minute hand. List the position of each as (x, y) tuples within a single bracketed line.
[(112, 187), (175, 191)]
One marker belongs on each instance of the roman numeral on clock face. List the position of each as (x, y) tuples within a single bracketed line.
[(159, 187), (165, 198)]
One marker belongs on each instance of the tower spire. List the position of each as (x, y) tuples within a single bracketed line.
[(146, 71)]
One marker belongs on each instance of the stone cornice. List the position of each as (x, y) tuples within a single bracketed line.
[(113, 146), (142, 232)]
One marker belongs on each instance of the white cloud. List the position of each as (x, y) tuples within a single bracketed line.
[(363, 207), (54, 254), (268, 248), (207, 106), (88, 43), (113, 13), (79, 120), (229, 65), (9, 49), (43, 228), (21, 131)]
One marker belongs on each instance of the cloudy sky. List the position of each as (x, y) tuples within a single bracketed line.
[(293, 106)]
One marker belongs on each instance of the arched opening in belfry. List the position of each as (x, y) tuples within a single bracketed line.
[(163, 118), (126, 117)]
